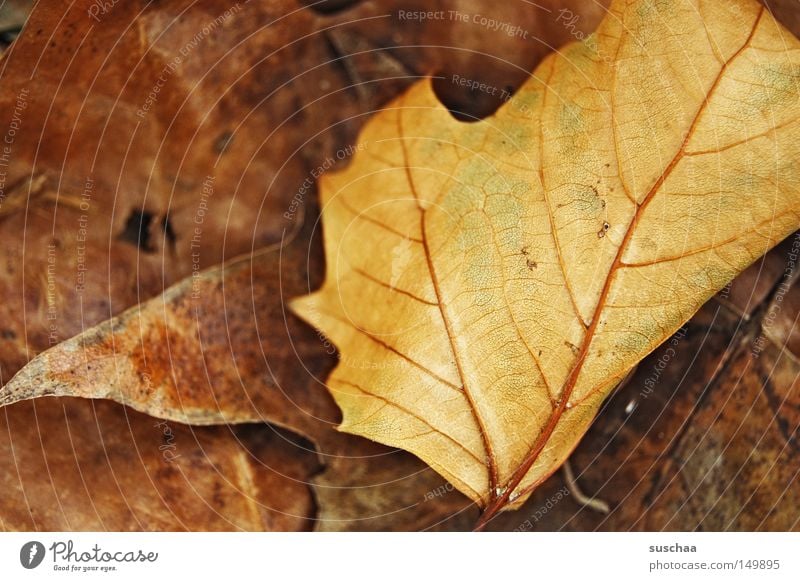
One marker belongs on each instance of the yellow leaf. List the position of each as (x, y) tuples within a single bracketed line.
[(489, 283)]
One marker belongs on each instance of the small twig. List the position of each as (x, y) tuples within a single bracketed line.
[(595, 504)]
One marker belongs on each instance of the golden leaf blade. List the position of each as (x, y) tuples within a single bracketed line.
[(489, 283)]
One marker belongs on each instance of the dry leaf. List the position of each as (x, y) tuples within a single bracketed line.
[(624, 451), (216, 348), (734, 465), (74, 464), (488, 284)]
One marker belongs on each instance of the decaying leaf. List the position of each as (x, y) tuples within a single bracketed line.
[(734, 465), (216, 348), (488, 284), (74, 464)]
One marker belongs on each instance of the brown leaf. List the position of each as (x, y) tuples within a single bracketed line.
[(105, 217), (76, 465), (736, 465), (97, 214), (216, 348)]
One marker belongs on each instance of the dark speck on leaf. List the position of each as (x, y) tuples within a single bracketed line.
[(222, 142)]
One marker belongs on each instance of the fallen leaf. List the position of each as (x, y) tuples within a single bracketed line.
[(72, 464), (216, 348), (624, 452), (620, 188), (735, 465)]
